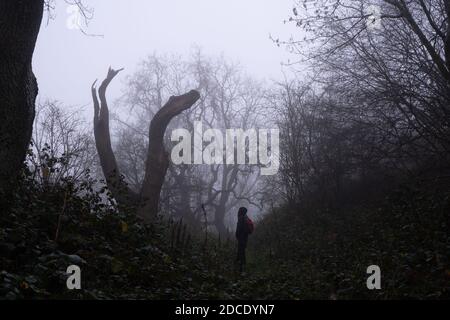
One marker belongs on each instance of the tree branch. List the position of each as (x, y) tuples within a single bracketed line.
[(121, 192)]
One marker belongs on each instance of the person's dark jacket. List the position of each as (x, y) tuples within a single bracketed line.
[(242, 231)]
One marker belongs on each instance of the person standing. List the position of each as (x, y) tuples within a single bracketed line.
[(243, 229)]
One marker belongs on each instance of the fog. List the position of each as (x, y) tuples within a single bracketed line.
[(160, 181), (122, 33)]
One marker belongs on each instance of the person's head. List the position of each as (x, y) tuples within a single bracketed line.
[(242, 211)]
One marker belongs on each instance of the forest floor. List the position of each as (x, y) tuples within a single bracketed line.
[(48, 229), (290, 256), (122, 259)]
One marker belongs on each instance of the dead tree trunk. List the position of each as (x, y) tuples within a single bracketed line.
[(229, 181), (20, 21), (146, 202), (219, 219), (120, 191)]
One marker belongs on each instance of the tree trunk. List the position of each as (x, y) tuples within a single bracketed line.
[(219, 221), (229, 176), (147, 202), (157, 157), (184, 205), (124, 196), (20, 21)]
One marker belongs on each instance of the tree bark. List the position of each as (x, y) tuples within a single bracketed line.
[(219, 220), (20, 21), (120, 191), (147, 202), (157, 157), (229, 176)]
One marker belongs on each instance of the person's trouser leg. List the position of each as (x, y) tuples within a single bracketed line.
[(241, 254)]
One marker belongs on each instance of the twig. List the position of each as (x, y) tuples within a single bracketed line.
[(206, 225)]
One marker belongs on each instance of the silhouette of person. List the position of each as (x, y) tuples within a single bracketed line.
[(242, 232)]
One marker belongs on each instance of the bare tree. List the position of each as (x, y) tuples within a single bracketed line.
[(326, 159), (389, 61), (157, 162), (229, 100), (62, 144)]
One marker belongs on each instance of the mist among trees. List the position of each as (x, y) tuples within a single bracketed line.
[(363, 113)]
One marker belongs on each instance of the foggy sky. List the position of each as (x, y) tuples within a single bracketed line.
[(66, 61)]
